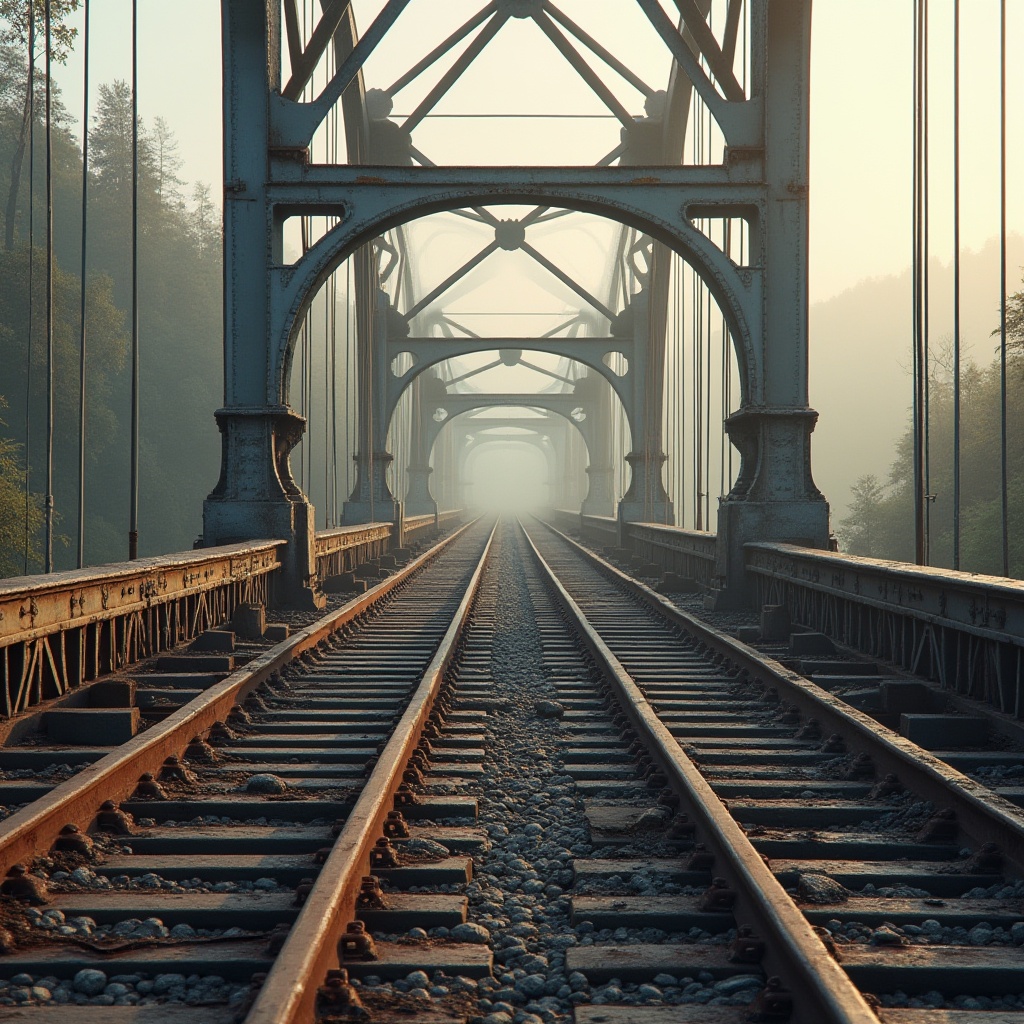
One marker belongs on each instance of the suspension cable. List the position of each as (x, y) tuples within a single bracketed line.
[(956, 284), (82, 291), (1003, 475), (916, 288), (31, 274), (133, 526), (48, 500), (929, 498)]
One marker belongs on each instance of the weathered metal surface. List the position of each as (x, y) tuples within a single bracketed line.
[(989, 606), (33, 606), (341, 550), (32, 830), (821, 989), (762, 179), (61, 630), (981, 815), (963, 630), (289, 993), (688, 553)]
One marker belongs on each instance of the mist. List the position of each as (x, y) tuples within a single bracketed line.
[(508, 478)]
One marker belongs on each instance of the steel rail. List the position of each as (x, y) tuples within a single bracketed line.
[(821, 990), (288, 996), (33, 829), (982, 815)]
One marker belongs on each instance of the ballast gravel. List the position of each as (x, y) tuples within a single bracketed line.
[(532, 812)]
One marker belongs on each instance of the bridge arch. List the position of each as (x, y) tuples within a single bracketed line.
[(737, 290)]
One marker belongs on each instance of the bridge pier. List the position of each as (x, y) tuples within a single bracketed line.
[(774, 497), (600, 499), (371, 500), (418, 499), (256, 497), (646, 500)]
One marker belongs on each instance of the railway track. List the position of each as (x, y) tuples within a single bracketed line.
[(606, 812), (229, 861), (969, 734), (805, 809)]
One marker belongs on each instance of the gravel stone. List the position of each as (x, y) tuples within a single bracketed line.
[(821, 889), (90, 982), (548, 709), (266, 783), (470, 932)]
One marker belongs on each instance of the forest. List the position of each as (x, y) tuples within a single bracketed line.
[(180, 327), (880, 522)]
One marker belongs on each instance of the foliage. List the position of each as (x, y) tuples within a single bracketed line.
[(17, 15), (15, 513), (180, 331), (881, 517), (25, 25), (1014, 322)]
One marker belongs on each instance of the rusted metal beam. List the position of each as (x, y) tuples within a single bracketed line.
[(288, 996), (31, 831), (34, 606), (822, 991)]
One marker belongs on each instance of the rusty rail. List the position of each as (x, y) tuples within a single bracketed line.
[(822, 991), (687, 553), (64, 629), (32, 830), (288, 996), (982, 816)]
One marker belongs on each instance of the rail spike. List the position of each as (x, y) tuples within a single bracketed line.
[(73, 840), (356, 944), (338, 994), (25, 887), (773, 1003)]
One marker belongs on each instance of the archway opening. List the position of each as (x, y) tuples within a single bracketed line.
[(508, 476)]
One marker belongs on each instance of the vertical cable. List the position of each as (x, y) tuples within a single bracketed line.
[(956, 284), (1003, 476), (48, 508), (925, 289), (82, 294), (916, 317), (133, 527), (724, 389), (31, 273)]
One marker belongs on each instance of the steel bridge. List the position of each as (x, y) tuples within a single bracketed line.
[(334, 200)]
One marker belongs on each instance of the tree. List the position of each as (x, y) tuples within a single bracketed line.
[(20, 520), (110, 141), (881, 519), (1014, 322), (205, 223), (25, 31), (167, 161)]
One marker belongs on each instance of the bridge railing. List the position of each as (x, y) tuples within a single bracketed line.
[(687, 553), (64, 629), (962, 630), (600, 529), (60, 630), (340, 550), (423, 527)]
